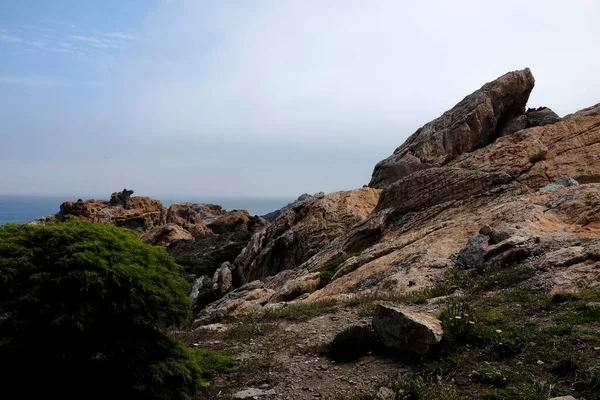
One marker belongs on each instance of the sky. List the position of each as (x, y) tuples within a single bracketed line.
[(259, 98)]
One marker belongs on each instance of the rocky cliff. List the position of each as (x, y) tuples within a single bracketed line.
[(299, 233), (487, 184)]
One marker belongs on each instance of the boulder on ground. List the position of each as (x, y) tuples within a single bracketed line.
[(245, 299), (473, 254), (298, 286), (406, 331)]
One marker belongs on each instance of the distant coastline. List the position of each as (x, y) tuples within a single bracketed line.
[(24, 208)]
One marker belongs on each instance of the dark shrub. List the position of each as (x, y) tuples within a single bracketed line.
[(84, 311), (351, 343)]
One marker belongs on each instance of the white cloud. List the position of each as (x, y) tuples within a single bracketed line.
[(10, 38), (120, 35), (337, 71), (87, 39)]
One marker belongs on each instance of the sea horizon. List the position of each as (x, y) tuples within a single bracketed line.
[(19, 209)]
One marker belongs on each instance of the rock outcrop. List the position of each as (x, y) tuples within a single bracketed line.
[(138, 213), (475, 122), (245, 299), (301, 232), (272, 216), (164, 235), (487, 183), (121, 199), (157, 224)]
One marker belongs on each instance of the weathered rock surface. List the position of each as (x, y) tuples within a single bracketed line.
[(295, 287), (272, 216), (163, 235), (473, 254), (156, 224), (473, 123), (427, 217), (300, 233), (406, 331), (141, 214), (245, 299), (121, 199), (222, 279), (559, 182)]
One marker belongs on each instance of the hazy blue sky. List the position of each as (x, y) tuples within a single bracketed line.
[(259, 98)]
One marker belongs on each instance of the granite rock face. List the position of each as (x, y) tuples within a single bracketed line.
[(300, 233), (474, 122)]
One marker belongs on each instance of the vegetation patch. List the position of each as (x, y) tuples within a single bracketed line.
[(330, 267), (352, 343), (89, 306), (516, 344), (205, 256)]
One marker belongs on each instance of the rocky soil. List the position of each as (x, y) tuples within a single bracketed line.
[(282, 358)]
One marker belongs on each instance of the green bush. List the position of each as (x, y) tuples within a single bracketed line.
[(351, 343), (84, 312)]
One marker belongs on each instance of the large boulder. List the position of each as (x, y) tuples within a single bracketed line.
[(473, 123), (473, 254), (406, 331), (295, 287), (248, 298), (303, 231)]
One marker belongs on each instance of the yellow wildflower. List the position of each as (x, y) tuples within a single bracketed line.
[(498, 330), (472, 323), (458, 317), (466, 315)]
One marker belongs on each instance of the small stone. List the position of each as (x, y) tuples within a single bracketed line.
[(385, 393), (251, 393), (540, 362)]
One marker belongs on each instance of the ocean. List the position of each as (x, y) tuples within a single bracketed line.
[(21, 209)]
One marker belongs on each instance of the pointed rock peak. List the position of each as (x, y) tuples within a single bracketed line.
[(476, 121)]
